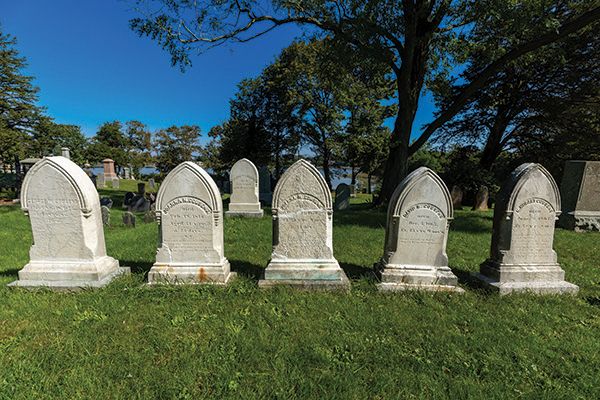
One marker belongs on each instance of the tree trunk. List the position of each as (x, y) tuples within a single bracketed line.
[(369, 183), (493, 145), (354, 173), (326, 170)]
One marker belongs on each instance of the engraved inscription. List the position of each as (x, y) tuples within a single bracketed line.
[(533, 230)]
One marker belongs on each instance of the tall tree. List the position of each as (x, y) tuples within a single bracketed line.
[(109, 142), (48, 137), (18, 96), (530, 97), (175, 145), (138, 150), (418, 40)]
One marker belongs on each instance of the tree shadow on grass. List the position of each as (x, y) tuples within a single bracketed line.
[(10, 272), (355, 272), (369, 218), (466, 278), (137, 267), (247, 269), (472, 223), (593, 301)]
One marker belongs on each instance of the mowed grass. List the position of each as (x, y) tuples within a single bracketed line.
[(130, 341)]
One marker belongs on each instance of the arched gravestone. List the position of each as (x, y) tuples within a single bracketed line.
[(418, 218), (302, 232), (244, 190), (522, 258), (342, 197), (68, 248), (189, 211)]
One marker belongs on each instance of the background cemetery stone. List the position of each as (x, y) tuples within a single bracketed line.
[(68, 248), (522, 257), (419, 215), (481, 199), (141, 188), (189, 211), (129, 219), (265, 194), (100, 181), (457, 196), (105, 215), (149, 216), (580, 192), (244, 196), (109, 169), (64, 151), (116, 183), (302, 232), (151, 183), (342, 197)]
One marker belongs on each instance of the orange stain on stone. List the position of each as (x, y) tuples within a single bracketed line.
[(202, 275)]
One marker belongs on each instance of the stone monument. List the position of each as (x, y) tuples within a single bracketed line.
[(189, 211), (302, 232), (457, 196), (64, 151), (342, 197), (100, 181), (109, 169), (68, 249), (265, 194), (481, 199), (419, 215), (116, 183), (522, 257), (129, 219), (105, 215), (580, 193), (244, 196)]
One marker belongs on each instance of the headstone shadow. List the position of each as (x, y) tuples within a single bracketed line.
[(247, 269), (356, 272)]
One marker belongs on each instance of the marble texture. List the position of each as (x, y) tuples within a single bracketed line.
[(244, 200), (189, 211), (418, 219), (522, 257), (302, 232), (68, 250)]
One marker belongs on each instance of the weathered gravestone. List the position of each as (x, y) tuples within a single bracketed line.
[(580, 193), (116, 183), (457, 196), (149, 216), (265, 195), (419, 215), (100, 181), (129, 219), (64, 151), (522, 257), (105, 215), (141, 186), (128, 198), (342, 197), (481, 199), (68, 248), (302, 232), (189, 211), (244, 196), (151, 183)]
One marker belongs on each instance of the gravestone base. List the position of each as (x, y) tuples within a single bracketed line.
[(245, 214), (190, 274), (417, 277), (542, 279), (580, 221), (70, 276), (313, 275)]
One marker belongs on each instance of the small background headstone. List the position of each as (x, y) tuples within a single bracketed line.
[(457, 197), (342, 197), (149, 216), (141, 186), (116, 183), (128, 197), (481, 199), (100, 181), (64, 151), (129, 219), (105, 215), (151, 183)]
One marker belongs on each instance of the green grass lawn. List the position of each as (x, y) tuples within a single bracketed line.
[(130, 341)]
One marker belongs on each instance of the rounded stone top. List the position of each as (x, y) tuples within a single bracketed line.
[(528, 180), (302, 177), (108, 160), (243, 166)]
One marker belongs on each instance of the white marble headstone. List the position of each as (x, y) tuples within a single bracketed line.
[(522, 257), (244, 200), (189, 211), (302, 232), (68, 248), (419, 215)]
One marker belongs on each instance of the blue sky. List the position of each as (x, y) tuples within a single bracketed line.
[(91, 68)]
